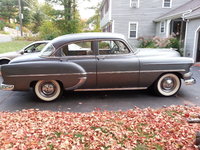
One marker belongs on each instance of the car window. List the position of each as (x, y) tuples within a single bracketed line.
[(47, 50), (77, 49), (35, 48), (112, 47)]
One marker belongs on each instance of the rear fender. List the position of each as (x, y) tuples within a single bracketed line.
[(21, 75)]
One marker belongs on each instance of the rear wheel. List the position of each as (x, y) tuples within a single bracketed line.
[(47, 90), (167, 85)]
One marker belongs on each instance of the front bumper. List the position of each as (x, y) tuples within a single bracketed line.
[(7, 87), (190, 81)]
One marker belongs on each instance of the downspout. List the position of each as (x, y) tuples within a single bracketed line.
[(186, 31)]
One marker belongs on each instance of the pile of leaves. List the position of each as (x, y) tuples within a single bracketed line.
[(136, 129)]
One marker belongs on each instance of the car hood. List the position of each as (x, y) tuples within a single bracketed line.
[(27, 58), (157, 52)]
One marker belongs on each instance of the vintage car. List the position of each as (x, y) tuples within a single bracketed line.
[(94, 62), (34, 47)]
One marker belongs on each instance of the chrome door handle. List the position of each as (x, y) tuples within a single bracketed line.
[(100, 57)]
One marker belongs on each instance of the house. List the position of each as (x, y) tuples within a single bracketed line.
[(144, 18), (183, 21)]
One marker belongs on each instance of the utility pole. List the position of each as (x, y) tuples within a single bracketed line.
[(20, 16)]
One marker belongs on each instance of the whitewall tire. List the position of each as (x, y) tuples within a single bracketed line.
[(47, 90), (167, 85)]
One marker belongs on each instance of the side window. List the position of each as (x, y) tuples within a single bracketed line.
[(162, 27), (77, 49), (112, 47), (167, 3), (133, 30)]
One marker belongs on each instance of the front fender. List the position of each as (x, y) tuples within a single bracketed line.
[(23, 74)]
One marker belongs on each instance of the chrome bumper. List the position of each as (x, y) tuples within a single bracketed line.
[(6, 87), (190, 81)]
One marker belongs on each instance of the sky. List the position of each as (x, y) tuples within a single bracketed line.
[(83, 5)]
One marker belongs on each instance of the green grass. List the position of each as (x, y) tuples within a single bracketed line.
[(13, 46)]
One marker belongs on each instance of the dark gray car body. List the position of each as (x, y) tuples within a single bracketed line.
[(136, 70)]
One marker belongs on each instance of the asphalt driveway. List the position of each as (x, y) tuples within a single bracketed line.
[(112, 100)]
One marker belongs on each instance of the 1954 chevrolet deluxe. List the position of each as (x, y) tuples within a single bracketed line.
[(96, 61)]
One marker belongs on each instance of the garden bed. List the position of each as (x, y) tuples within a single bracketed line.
[(136, 129)]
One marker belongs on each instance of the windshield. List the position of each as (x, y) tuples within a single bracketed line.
[(47, 50)]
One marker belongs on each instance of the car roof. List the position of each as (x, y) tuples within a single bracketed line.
[(59, 41)]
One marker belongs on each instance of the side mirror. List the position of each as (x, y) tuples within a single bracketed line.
[(21, 52)]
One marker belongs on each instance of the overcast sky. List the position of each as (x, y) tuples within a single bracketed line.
[(83, 7)]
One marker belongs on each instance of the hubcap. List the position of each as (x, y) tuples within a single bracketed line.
[(47, 89), (168, 84)]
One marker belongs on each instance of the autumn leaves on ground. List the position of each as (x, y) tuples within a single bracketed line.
[(137, 129)]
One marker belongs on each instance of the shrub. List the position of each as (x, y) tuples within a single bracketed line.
[(157, 42), (2, 25), (28, 38), (49, 31)]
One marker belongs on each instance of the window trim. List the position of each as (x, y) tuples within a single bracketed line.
[(163, 4), (138, 4), (129, 30), (163, 27)]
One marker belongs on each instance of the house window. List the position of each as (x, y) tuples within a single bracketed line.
[(134, 3), (162, 27), (167, 3), (133, 29)]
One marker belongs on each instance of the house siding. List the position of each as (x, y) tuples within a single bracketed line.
[(191, 38), (122, 14)]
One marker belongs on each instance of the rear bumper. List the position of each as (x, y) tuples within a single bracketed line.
[(190, 81), (7, 87)]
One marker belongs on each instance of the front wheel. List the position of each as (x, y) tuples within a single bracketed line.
[(47, 90), (167, 85)]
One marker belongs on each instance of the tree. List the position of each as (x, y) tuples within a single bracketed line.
[(95, 20), (8, 9), (70, 22)]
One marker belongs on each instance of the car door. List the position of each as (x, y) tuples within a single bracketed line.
[(117, 66), (83, 54)]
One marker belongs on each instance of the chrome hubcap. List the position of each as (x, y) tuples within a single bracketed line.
[(47, 89), (168, 84)]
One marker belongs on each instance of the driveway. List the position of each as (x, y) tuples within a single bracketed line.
[(112, 100), (5, 38)]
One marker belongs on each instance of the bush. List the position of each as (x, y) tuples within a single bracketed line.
[(28, 38), (148, 43), (157, 42), (49, 31), (2, 25)]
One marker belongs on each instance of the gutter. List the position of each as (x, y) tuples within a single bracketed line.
[(186, 13)]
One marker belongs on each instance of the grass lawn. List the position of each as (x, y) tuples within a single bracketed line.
[(13, 46)]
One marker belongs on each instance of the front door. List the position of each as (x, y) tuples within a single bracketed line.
[(117, 67), (198, 49)]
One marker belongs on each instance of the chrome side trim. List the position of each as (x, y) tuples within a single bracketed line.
[(179, 70), (7, 87), (92, 73), (42, 75), (112, 89), (118, 72), (79, 84)]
